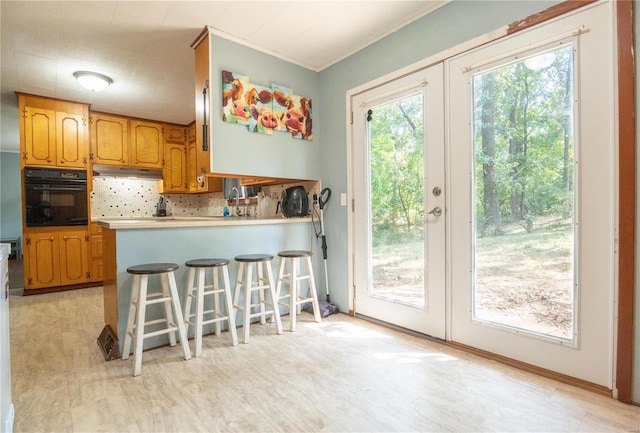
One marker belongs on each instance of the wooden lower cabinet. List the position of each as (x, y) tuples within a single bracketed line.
[(95, 248), (41, 260), (74, 267), (56, 258)]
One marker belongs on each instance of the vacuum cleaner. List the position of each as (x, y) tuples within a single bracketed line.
[(326, 307)]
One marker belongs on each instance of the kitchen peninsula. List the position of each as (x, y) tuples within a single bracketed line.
[(129, 242)]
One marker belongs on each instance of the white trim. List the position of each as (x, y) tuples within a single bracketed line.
[(350, 220), (516, 53), (616, 216), (443, 56)]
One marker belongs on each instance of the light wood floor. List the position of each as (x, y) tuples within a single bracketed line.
[(341, 375)]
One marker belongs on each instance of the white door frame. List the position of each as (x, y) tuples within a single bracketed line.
[(449, 53)]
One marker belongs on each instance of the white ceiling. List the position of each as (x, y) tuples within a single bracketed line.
[(144, 46)]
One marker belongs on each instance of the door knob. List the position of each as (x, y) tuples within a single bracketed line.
[(436, 211)]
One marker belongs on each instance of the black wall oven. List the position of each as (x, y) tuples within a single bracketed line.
[(55, 197)]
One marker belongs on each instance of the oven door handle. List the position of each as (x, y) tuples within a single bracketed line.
[(54, 188)]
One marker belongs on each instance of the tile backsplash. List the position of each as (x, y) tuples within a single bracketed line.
[(121, 197), (124, 197)]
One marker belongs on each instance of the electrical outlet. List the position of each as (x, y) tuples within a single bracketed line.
[(343, 199)]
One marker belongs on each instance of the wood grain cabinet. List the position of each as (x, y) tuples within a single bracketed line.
[(74, 266), (146, 145), (95, 252), (201, 161), (41, 260), (55, 258), (120, 140), (175, 168), (176, 134), (53, 132), (174, 174), (109, 139), (192, 165)]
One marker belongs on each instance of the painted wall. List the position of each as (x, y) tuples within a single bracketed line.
[(448, 26), (234, 148), (10, 196)]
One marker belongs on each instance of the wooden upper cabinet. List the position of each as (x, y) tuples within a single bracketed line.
[(174, 173), (203, 103), (175, 134), (146, 146), (175, 168), (53, 132), (109, 139), (39, 138), (192, 169), (71, 140), (191, 132)]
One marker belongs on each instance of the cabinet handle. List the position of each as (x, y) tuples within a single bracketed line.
[(52, 238), (63, 237), (205, 127)]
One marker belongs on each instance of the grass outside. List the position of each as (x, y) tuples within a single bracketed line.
[(524, 280)]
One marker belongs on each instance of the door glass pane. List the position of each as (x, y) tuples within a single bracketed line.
[(524, 195), (397, 241)]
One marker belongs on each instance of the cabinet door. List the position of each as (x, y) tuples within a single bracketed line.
[(97, 270), (175, 134), (192, 168), (39, 136), (42, 260), (175, 168), (146, 144), (71, 140), (95, 253), (109, 139), (191, 132), (73, 257)]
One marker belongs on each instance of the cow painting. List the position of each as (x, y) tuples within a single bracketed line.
[(263, 109)]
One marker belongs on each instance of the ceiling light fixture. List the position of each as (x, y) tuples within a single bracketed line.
[(92, 80)]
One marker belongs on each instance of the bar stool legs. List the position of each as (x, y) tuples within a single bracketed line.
[(140, 299), (293, 279), (197, 289), (245, 280)]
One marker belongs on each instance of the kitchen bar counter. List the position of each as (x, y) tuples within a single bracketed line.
[(192, 221), (129, 242)]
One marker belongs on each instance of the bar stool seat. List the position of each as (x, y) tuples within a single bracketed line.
[(293, 279), (196, 288), (141, 298), (246, 283)]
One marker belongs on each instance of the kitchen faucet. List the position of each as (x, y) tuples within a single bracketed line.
[(237, 199)]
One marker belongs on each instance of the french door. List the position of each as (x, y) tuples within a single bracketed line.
[(485, 208), (399, 225), (531, 189)]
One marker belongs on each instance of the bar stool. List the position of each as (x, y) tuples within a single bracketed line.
[(197, 289), (293, 278), (140, 299), (245, 280)]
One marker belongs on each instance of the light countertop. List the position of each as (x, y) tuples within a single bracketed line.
[(192, 221)]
